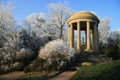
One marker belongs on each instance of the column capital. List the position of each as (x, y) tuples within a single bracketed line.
[(88, 22)]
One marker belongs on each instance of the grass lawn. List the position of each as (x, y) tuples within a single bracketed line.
[(108, 71)]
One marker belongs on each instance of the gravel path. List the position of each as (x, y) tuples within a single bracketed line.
[(67, 74), (11, 76), (64, 76)]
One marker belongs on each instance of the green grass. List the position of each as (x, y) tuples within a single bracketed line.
[(108, 71)]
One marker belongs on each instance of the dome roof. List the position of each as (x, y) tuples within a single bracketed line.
[(83, 15)]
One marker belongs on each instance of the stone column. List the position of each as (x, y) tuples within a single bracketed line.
[(97, 38), (78, 35), (71, 36), (88, 35), (95, 32), (92, 37)]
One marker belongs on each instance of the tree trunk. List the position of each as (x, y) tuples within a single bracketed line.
[(29, 30), (61, 33)]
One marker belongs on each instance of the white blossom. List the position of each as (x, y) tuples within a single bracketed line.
[(24, 53), (36, 23), (55, 48), (104, 29), (6, 19), (57, 52)]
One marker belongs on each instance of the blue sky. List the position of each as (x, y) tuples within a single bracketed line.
[(103, 8)]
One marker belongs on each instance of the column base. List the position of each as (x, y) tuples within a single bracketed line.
[(89, 50), (77, 51), (86, 50)]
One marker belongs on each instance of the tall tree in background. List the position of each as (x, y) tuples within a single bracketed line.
[(39, 24), (34, 21), (58, 15), (104, 29), (6, 19)]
